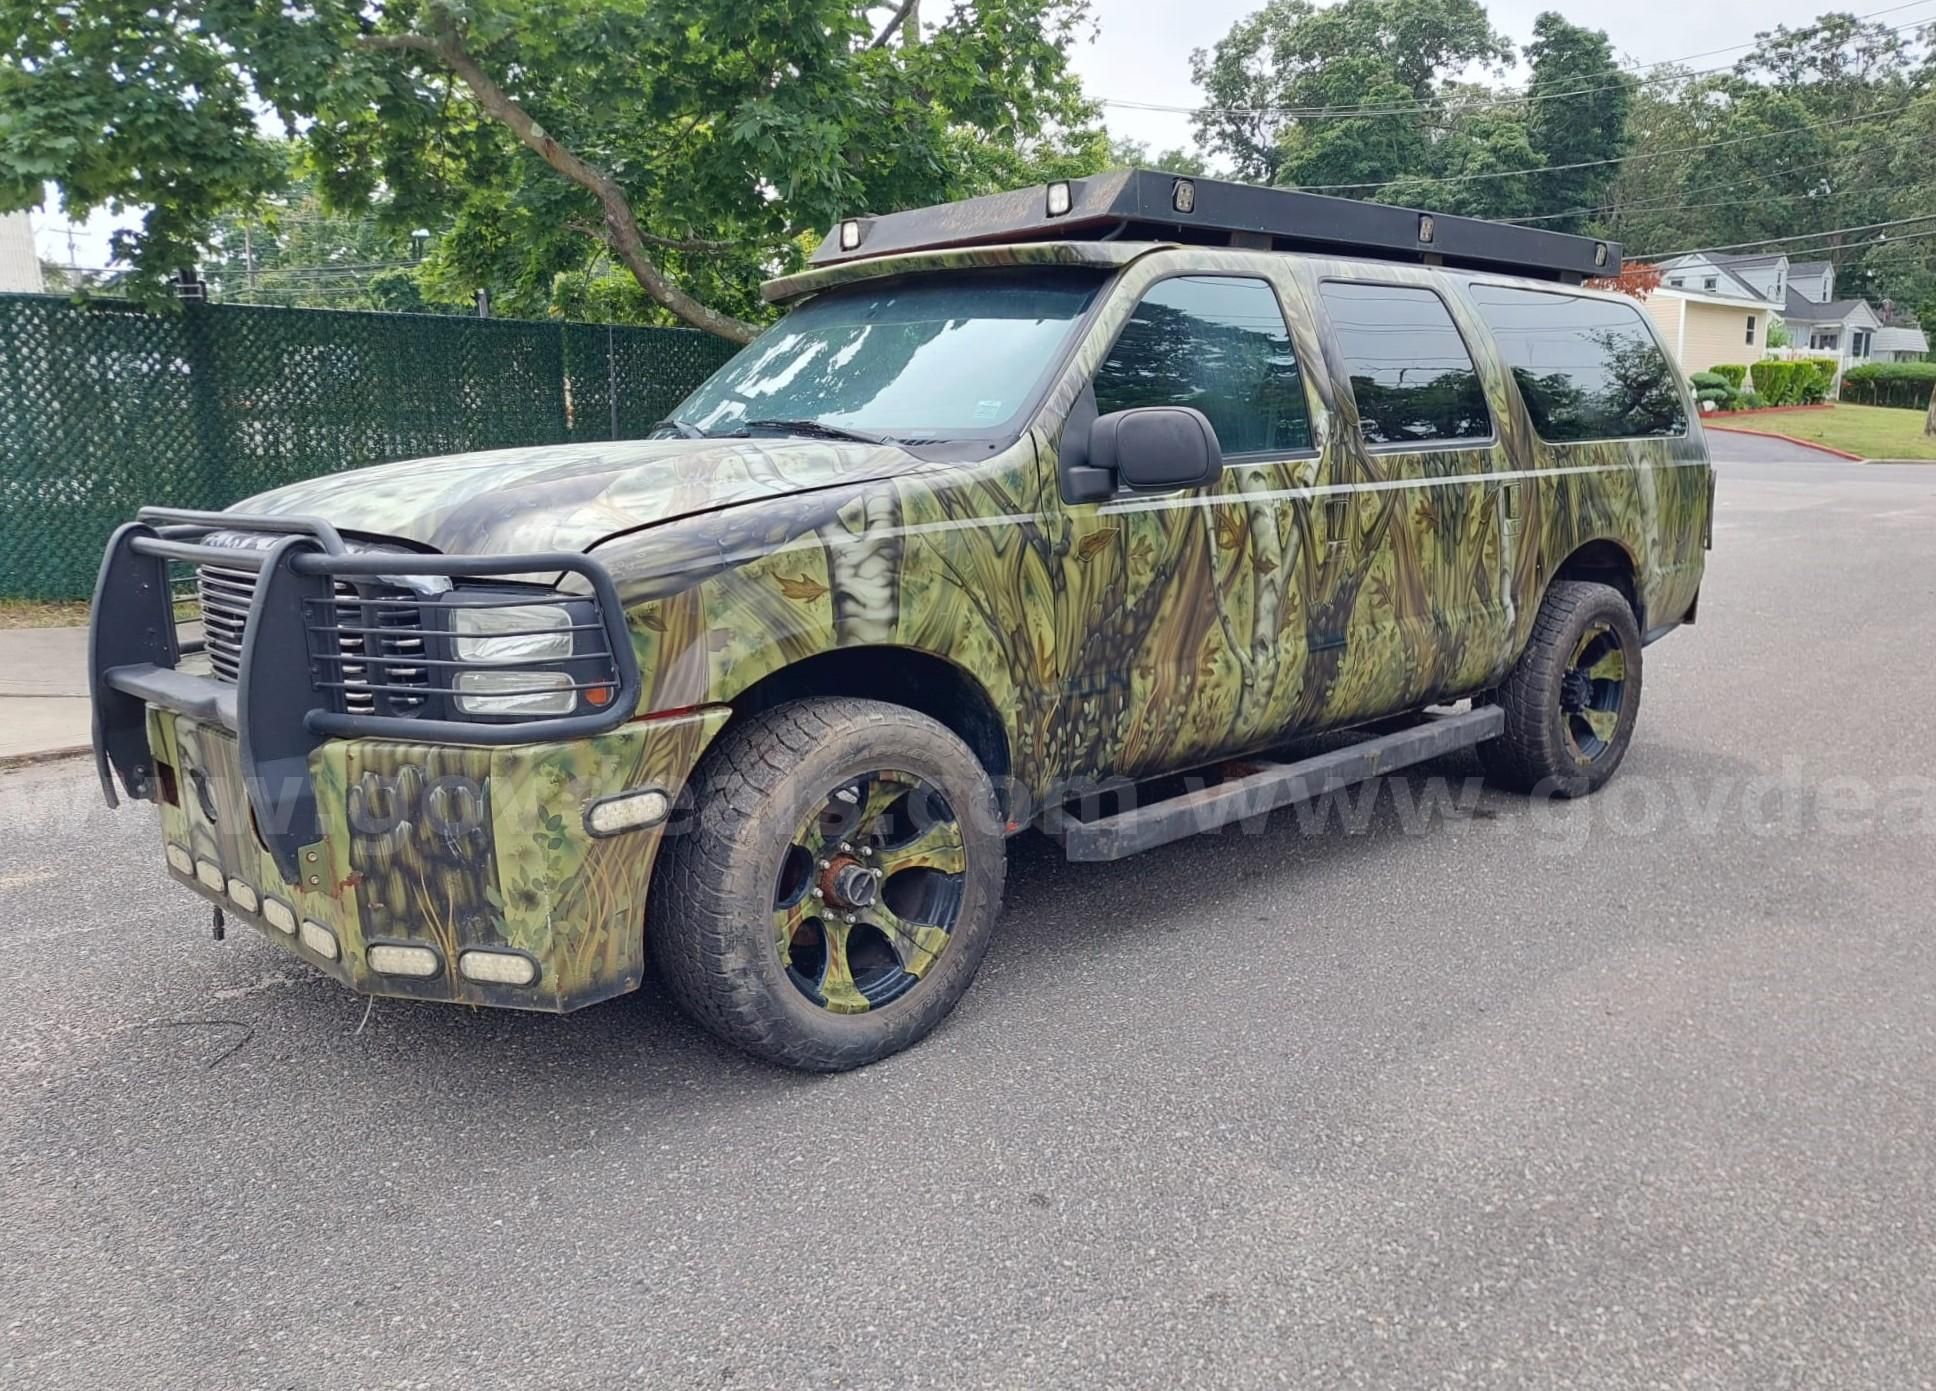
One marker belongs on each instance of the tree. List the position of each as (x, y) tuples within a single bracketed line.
[(1291, 91), (701, 144), (1576, 122)]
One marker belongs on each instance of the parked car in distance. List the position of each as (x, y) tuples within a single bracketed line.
[(1028, 506)]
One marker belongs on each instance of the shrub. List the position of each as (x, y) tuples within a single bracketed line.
[(1710, 381), (1815, 389), (1752, 401), (1734, 373), (1904, 384), (1781, 382)]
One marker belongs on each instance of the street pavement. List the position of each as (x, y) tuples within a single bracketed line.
[(1639, 1091)]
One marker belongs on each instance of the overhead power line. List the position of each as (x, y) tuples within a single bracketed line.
[(1599, 163), (1805, 236), (1413, 108)]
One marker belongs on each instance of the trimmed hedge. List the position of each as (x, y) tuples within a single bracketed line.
[(1904, 384), (1733, 373), (1815, 392), (1783, 383)]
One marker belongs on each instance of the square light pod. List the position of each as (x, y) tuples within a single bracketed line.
[(180, 860), (279, 915), (1183, 196), (243, 896), (1061, 199), (1427, 228), (211, 876), (850, 233)]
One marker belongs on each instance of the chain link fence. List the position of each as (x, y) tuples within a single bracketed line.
[(105, 408)]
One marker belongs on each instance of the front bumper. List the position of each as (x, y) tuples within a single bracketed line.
[(349, 816), (439, 847)]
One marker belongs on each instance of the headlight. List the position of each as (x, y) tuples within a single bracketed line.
[(515, 693), (509, 642), (519, 633)]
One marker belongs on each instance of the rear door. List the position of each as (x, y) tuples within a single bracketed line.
[(1430, 615)]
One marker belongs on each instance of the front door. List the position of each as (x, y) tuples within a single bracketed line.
[(1181, 612)]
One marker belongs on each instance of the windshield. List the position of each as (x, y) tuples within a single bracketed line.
[(937, 356)]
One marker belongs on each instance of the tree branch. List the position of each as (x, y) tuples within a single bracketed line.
[(622, 231), (894, 22)]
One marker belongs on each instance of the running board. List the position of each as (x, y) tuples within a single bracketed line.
[(1273, 785)]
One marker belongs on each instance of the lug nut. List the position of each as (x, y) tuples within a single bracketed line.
[(823, 864), (846, 849), (819, 893)]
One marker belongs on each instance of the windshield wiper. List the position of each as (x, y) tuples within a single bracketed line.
[(814, 427), (685, 429)]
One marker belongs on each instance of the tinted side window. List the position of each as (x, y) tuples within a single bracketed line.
[(1219, 344), (1409, 369), (1588, 368)]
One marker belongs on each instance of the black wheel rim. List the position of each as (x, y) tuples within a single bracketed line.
[(1593, 692), (868, 892)]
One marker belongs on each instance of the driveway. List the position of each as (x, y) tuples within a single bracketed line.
[(1746, 447), (1628, 1092)]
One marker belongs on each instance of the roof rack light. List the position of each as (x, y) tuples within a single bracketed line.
[(1060, 199)]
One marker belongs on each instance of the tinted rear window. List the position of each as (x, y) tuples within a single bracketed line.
[(1587, 368), (1410, 372)]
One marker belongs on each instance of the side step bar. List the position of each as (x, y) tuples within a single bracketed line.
[(1271, 786)]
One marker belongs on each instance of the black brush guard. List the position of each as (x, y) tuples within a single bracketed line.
[(287, 699)]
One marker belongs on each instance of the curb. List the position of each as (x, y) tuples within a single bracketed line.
[(1910, 463), (1805, 444), (28, 760)]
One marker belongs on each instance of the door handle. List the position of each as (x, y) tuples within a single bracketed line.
[(1337, 514)]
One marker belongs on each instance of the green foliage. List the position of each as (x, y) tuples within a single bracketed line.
[(1788, 383), (1733, 373), (1577, 115), (1355, 54), (1821, 381), (1751, 401), (1715, 380), (1908, 385), (1778, 334), (740, 130)]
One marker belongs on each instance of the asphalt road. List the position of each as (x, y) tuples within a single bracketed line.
[(1637, 1092)]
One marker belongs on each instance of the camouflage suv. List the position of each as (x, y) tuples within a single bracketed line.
[(1027, 506)]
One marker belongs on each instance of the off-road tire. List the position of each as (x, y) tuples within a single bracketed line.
[(1533, 754), (709, 917)]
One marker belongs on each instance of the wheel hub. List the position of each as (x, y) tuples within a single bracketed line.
[(1576, 688), (849, 884)]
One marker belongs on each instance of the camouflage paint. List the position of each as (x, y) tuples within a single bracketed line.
[(1134, 635), (450, 848)]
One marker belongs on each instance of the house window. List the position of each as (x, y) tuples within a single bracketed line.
[(1818, 339), (1859, 343), (1713, 282), (1751, 329), (1678, 282)]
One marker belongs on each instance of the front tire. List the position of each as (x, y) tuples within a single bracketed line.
[(1573, 696), (837, 886)]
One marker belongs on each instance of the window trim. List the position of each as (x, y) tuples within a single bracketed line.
[(1334, 349), (1249, 457), (1647, 324)]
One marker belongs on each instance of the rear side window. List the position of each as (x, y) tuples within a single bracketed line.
[(1587, 368), (1409, 369), (1217, 343)]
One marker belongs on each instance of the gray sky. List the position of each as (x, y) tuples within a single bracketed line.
[(1142, 53)]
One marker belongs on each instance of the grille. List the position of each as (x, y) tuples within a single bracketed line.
[(383, 635)]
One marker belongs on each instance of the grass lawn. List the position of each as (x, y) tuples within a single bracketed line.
[(1874, 432), (35, 613)]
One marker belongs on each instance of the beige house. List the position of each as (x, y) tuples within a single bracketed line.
[(19, 263), (1703, 327)]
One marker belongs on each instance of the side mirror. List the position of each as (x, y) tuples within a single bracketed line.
[(1156, 448)]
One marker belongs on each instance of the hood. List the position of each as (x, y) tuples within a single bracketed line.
[(569, 497)]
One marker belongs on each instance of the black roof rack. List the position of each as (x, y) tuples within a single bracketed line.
[(1139, 204)]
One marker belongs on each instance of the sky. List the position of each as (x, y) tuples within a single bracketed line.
[(1141, 52)]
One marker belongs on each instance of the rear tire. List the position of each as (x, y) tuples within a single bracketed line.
[(1572, 698), (836, 887)]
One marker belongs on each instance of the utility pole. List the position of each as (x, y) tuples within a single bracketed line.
[(248, 258)]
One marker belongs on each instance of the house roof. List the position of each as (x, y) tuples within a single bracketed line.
[(1731, 285), (1898, 339), (1807, 310), (1808, 269)]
